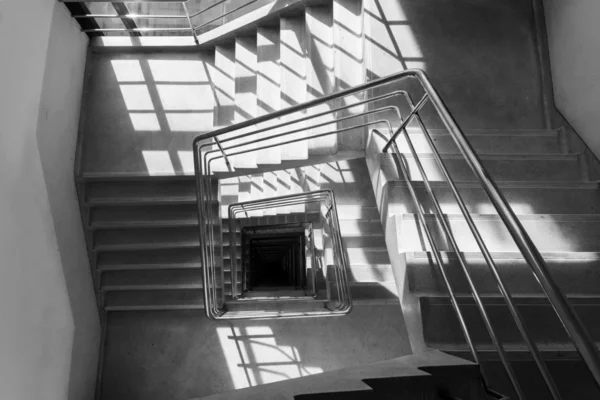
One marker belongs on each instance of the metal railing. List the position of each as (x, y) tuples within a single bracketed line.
[(268, 131), (187, 17), (341, 303), (215, 286)]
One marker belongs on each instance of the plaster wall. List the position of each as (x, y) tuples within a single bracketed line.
[(39, 326), (572, 27), (58, 125)]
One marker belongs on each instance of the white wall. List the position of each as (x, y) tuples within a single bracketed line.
[(37, 328), (58, 125), (573, 38)]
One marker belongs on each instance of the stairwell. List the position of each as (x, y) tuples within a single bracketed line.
[(139, 205)]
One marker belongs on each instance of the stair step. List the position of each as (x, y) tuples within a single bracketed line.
[(371, 291), (524, 197), (293, 87), (182, 236), (268, 78), (245, 97), (577, 274), (487, 141), (111, 280), (320, 77), (526, 167), (349, 63), (171, 189), (145, 215), (357, 212), (549, 232), (370, 273), (149, 257), (441, 326), (349, 228), (129, 300), (282, 305)]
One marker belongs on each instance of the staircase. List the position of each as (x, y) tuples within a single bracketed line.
[(140, 212), (548, 186)]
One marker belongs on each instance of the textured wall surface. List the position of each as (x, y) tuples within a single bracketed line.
[(575, 59), (58, 125)]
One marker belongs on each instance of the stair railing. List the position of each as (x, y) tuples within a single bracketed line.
[(186, 16), (268, 129), (325, 198)]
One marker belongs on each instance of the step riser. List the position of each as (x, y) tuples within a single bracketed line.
[(287, 306), (441, 325), (188, 297), (486, 144), (187, 236), (562, 235), (525, 200), (566, 170), (573, 276), (142, 190), (150, 257)]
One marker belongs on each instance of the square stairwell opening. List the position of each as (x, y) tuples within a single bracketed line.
[(277, 258)]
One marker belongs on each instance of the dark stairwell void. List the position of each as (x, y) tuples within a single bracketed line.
[(283, 269)]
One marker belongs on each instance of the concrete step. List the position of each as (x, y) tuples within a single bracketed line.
[(307, 304), (440, 324), (187, 256), (363, 292), (292, 45), (145, 215), (168, 299), (549, 232), (341, 155), (224, 79), (357, 212), (488, 141), (370, 273), (268, 92), (524, 197), (111, 280), (372, 242), (526, 167), (110, 239), (151, 190), (367, 256), (577, 274), (245, 97), (350, 228), (349, 62), (320, 76)]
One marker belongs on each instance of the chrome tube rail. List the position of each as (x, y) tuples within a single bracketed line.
[(186, 16), (330, 219), (256, 133)]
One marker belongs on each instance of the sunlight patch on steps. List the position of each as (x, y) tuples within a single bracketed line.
[(158, 162), (337, 172), (178, 71), (145, 122), (254, 357), (391, 44)]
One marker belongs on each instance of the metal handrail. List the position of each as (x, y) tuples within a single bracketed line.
[(340, 265), (557, 299), (193, 29)]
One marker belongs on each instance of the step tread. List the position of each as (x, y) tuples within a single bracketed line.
[(132, 287)]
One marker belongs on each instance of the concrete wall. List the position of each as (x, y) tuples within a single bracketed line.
[(58, 125), (573, 32), (480, 55), (38, 328)]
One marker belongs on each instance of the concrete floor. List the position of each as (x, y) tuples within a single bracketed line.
[(177, 355)]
